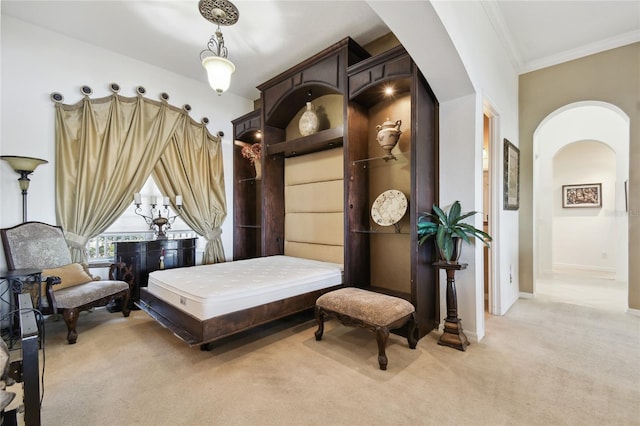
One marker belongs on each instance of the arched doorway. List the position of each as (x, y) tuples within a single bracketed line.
[(583, 130)]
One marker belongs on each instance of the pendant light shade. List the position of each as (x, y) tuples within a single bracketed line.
[(219, 72)]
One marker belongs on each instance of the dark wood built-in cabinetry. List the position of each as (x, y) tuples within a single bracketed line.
[(387, 259), (246, 189), (348, 85), (143, 257), (322, 75)]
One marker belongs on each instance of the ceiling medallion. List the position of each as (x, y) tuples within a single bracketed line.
[(220, 12)]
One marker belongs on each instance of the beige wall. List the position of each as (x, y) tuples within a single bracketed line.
[(612, 76)]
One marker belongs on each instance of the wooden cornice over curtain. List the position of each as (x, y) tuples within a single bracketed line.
[(106, 148)]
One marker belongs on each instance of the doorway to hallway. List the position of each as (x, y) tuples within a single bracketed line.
[(486, 204), (582, 250), (490, 209), (578, 288)]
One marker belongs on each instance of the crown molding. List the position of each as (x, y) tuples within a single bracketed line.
[(496, 18), (582, 51)]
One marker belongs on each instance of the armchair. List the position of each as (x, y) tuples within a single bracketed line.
[(69, 288)]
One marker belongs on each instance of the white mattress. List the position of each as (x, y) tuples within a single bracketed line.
[(208, 291)]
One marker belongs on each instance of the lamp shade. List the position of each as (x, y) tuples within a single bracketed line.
[(219, 72), (23, 164)]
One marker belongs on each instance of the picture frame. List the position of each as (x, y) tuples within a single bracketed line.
[(582, 195), (511, 171)]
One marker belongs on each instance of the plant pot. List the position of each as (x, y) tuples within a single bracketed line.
[(455, 254), (258, 167)]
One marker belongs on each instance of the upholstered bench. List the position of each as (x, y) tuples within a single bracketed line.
[(374, 311)]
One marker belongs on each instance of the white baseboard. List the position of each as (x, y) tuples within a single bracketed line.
[(588, 269), (634, 312), (472, 336), (524, 295)]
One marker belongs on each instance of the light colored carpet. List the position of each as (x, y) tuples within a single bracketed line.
[(544, 363)]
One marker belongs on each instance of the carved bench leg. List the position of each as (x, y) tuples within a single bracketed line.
[(412, 329), (382, 334), (320, 320), (70, 317)]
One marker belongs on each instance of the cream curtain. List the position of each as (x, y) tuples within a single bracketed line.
[(105, 150), (192, 166)]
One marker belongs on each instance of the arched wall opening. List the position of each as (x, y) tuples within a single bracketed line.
[(582, 240), (581, 141)]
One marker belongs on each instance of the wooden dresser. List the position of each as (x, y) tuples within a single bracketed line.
[(144, 257)]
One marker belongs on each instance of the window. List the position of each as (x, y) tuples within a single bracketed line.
[(131, 227)]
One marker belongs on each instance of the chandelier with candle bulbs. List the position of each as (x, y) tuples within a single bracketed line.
[(158, 223)]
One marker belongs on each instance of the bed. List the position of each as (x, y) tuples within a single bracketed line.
[(201, 304)]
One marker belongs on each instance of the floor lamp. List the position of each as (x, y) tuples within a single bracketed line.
[(24, 166)]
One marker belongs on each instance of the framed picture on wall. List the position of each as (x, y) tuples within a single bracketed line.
[(583, 195), (511, 176)]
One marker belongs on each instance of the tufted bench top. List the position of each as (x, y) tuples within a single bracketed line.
[(368, 306)]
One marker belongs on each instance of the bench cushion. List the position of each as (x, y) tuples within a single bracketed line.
[(368, 306)]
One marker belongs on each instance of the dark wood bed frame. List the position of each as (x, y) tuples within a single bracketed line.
[(202, 332)]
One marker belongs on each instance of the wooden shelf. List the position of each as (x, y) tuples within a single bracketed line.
[(396, 157), (376, 232), (249, 226), (324, 139), (251, 180)]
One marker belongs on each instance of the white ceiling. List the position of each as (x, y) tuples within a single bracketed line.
[(272, 35), (543, 33)]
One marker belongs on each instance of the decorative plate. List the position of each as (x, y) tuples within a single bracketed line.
[(389, 207)]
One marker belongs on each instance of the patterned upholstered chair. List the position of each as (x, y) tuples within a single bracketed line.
[(69, 288)]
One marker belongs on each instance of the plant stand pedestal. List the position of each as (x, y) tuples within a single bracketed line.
[(453, 335)]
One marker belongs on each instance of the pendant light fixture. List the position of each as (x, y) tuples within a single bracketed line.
[(214, 57)]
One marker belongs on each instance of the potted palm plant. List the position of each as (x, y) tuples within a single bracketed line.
[(449, 231)]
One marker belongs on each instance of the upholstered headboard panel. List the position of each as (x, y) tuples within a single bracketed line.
[(314, 206)]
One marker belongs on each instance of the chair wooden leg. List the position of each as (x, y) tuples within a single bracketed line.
[(125, 304), (382, 335), (70, 317), (320, 320)]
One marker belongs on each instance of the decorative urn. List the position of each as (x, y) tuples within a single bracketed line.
[(309, 123), (388, 135)]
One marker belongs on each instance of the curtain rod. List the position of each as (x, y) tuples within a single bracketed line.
[(87, 91)]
